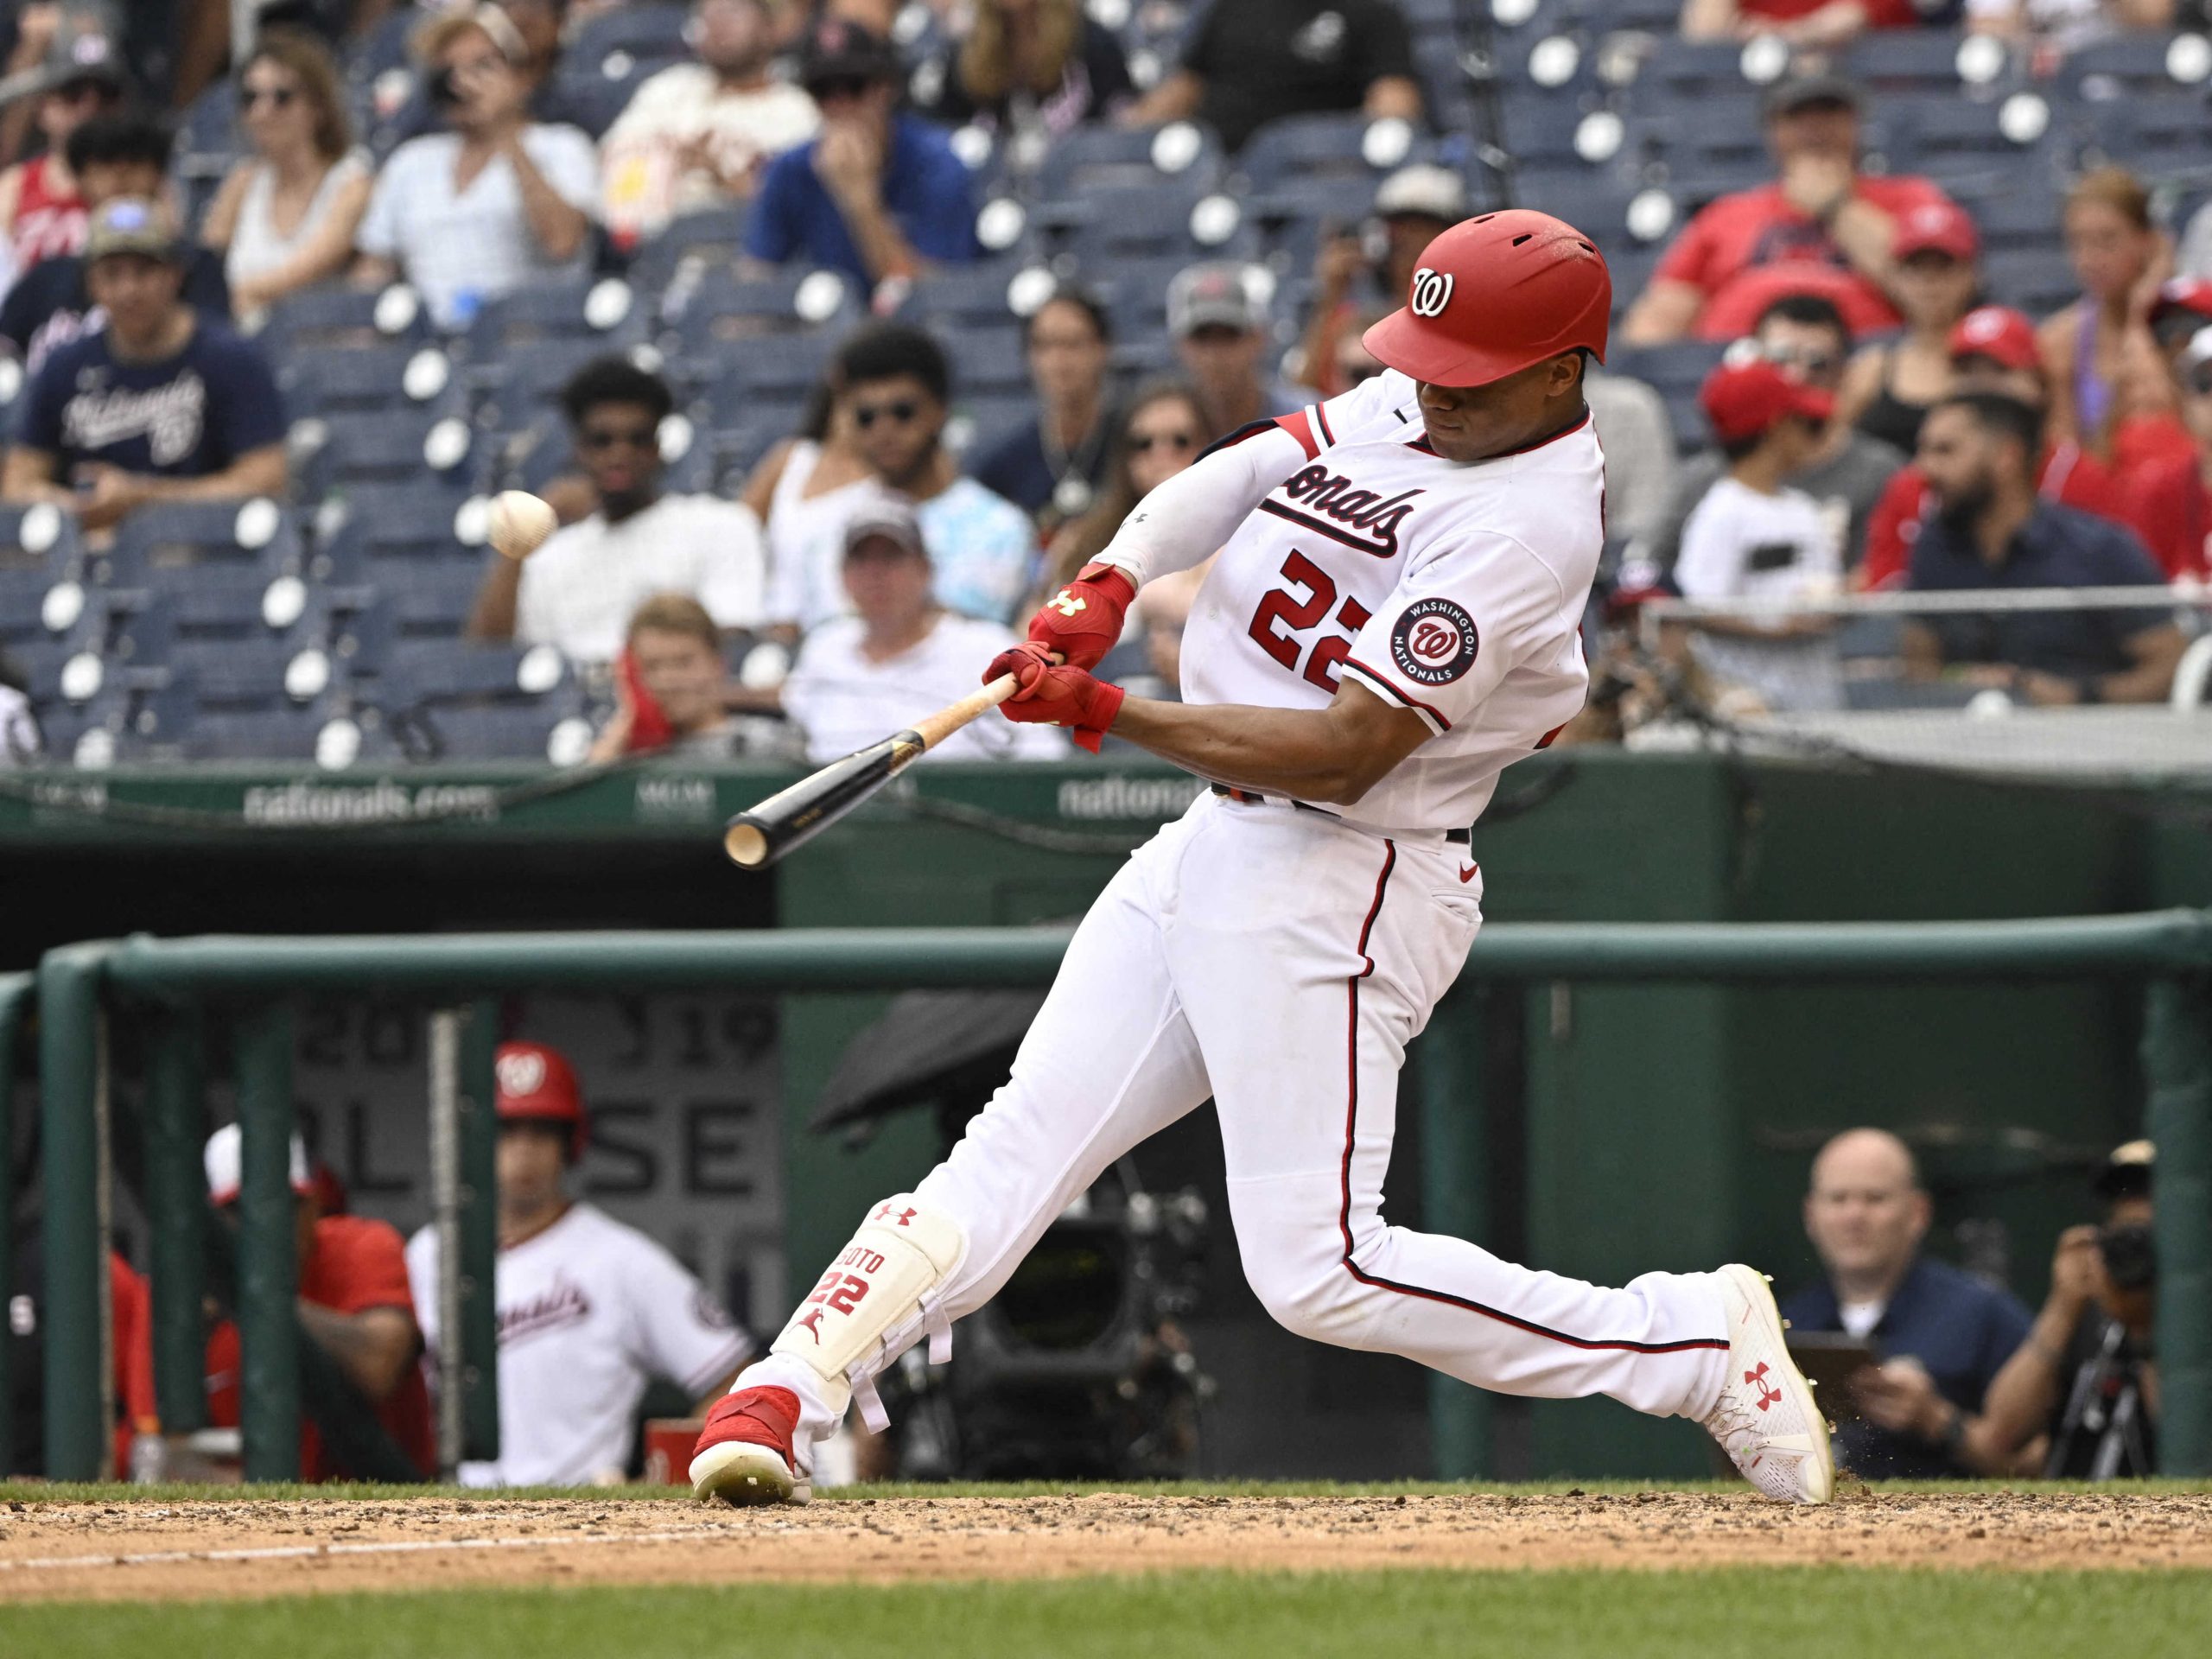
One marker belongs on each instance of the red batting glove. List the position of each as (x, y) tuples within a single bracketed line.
[(1079, 624), (1066, 697)]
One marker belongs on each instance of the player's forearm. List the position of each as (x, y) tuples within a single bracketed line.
[(1305, 753), (373, 1347), (1188, 517)]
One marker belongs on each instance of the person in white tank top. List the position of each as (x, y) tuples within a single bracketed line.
[(285, 218)]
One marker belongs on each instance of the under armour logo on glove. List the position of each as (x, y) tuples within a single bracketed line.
[(1068, 605)]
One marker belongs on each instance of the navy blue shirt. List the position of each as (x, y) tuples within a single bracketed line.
[(1017, 466), (925, 189), (2057, 547), (186, 416), (1959, 1329)]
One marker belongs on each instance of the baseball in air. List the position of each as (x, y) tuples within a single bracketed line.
[(520, 523)]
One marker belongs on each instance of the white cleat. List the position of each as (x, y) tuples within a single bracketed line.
[(743, 1474), (1765, 1419)]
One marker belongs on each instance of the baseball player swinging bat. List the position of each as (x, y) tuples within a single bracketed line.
[(791, 817)]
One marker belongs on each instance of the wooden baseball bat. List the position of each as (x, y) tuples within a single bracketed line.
[(760, 836)]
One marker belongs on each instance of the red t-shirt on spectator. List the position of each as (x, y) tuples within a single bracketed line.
[(2067, 476), (1880, 14), (2154, 459), (1755, 241), (357, 1264)]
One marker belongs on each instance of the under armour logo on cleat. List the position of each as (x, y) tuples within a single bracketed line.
[(1769, 1395)]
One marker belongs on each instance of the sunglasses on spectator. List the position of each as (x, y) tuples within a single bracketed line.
[(636, 437), (277, 96), (82, 91), (828, 92), (1144, 443), (901, 413), (1811, 362)]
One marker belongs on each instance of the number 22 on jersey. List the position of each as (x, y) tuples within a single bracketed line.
[(1296, 615)]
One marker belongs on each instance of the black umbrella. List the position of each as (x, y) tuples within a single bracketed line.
[(929, 1047)]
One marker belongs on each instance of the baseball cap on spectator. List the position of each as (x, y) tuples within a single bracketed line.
[(840, 53), (1789, 96), (1423, 190), (130, 225), (1998, 332), (1745, 399), (2128, 1171), (1936, 228), (2184, 306), (83, 51), (224, 1160), (883, 517), (1217, 295)]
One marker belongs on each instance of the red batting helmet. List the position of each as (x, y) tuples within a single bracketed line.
[(537, 1084), (1495, 294)]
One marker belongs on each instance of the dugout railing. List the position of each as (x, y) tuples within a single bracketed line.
[(179, 986)]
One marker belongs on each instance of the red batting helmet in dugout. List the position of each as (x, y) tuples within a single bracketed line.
[(1495, 294), (537, 1084)]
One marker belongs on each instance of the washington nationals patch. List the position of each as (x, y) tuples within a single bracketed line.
[(1434, 642)]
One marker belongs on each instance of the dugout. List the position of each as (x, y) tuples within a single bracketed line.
[(1629, 1127)]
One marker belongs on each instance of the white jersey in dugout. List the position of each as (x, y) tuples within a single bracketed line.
[(1455, 590)]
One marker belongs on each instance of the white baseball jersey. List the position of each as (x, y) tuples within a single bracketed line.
[(590, 1311), (1455, 590)]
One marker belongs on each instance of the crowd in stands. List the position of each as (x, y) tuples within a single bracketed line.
[(865, 322)]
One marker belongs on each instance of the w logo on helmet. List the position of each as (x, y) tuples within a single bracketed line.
[(1432, 292)]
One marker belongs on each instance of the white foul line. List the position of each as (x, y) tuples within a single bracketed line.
[(300, 1552)]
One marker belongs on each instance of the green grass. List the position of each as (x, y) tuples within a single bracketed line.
[(1810, 1613), (32, 1491)]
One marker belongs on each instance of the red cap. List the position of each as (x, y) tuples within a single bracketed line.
[(1998, 332), (537, 1084), (1936, 228), (2192, 295), (1496, 295), (1745, 399)]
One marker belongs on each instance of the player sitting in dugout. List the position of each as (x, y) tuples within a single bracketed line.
[(355, 1307)]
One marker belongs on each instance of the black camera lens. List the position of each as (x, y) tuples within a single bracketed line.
[(2131, 1255), (443, 93)]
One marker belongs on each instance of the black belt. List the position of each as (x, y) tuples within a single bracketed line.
[(1249, 797)]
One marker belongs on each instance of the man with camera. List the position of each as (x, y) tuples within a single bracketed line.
[(2080, 1400)]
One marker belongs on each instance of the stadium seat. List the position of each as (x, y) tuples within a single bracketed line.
[(2120, 67), (2148, 136), (330, 452), (722, 307), (513, 387), (202, 536), (965, 296), (1951, 139), (651, 32), (778, 371), (1309, 146), (606, 312), (276, 733), (706, 239), (331, 316), (1093, 159), (987, 360), (1891, 61), (326, 380), (1150, 223)]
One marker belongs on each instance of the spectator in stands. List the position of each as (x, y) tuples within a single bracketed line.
[(1220, 324), (19, 738), (2066, 24), (900, 654), (163, 405), (2098, 355), (671, 687), (1050, 466), (1803, 335), (469, 214), (353, 1304), (1806, 24), (1890, 387), (1638, 435), (879, 193), (1754, 537), (1248, 62), (1027, 64), (1991, 532), (701, 135), (1162, 433), (2079, 1399), (1374, 263), (803, 490), (1822, 228), (285, 219), (2160, 460), (42, 211), (1993, 349), (115, 158), (590, 1312), (895, 390), (1941, 1336), (580, 590)]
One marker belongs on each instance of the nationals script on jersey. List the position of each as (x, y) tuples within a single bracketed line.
[(1455, 590)]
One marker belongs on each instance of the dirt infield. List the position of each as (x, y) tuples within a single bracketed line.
[(118, 1551)]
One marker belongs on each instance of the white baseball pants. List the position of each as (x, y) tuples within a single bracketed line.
[(1280, 961)]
